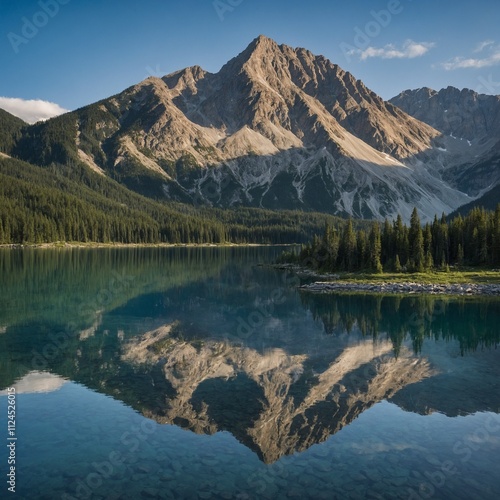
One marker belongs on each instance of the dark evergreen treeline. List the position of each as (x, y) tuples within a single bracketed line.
[(10, 131), (393, 246), (257, 225), (40, 205)]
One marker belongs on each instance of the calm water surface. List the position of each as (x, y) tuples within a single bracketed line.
[(197, 374)]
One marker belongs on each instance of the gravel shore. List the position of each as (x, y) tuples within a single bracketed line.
[(406, 288)]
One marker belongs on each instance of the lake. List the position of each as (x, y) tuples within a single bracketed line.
[(198, 373)]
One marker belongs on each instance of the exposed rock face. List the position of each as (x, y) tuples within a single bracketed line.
[(461, 113), (479, 176), (468, 118), (276, 127), (285, 407), (289, 96)]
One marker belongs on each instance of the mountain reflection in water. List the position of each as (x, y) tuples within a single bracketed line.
[(205, 340)]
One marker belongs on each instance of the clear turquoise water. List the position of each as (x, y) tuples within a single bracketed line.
[(196, 373)]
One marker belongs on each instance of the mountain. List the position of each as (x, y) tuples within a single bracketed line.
[(464, 114), (10, 130), (470, 119), (276, 127), (41, 205), (488, 201)]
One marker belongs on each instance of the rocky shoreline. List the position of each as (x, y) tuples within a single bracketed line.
[(406, 288)]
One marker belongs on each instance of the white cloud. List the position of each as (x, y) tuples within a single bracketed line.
[(491, 57), (32, 110), (409, 50), (471, 62), (482, 45)]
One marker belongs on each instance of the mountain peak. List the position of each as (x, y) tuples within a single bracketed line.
[(263, 41), (279, 127), (257, 54), (258, 46)]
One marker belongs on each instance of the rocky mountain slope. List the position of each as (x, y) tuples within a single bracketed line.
[(467, 118), (464, 114), (276, 127)]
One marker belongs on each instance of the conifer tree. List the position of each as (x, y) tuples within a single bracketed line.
[(460, 255), (416, 242), (401, 239), (349, 247), (375, 248), (429, 261), (495, 240), (388, 242), (397, 265)]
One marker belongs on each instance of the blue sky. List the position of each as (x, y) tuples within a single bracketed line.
[(74, 52)]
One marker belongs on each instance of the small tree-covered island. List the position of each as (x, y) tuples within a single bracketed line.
[(445, 249)]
